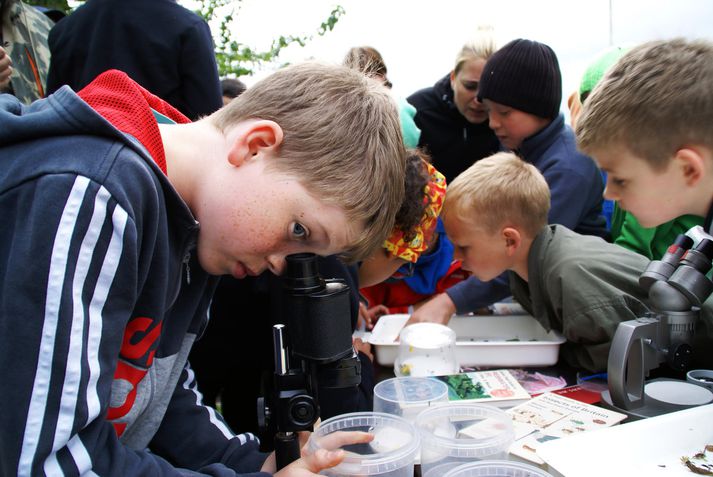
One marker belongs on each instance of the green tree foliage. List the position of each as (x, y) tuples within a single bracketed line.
[(61, 5), (235, 58)]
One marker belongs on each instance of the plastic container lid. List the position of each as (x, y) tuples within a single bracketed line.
[(438, 432), (411, 391), (428, 336), (395, 445), (496, 468)]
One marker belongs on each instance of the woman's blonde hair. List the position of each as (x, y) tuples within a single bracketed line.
[(481, 46)]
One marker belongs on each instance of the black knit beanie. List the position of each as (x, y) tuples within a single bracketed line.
[(524, 75)]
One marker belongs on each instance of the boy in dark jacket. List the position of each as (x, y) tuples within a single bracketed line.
[(521, 86), (119, 212)]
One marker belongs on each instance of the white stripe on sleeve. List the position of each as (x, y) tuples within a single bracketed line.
[(58, 263), (189, 384)]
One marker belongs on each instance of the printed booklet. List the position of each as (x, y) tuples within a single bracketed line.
[(496, 387), (551, 416)]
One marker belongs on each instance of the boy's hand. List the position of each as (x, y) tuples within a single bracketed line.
[(438, 309), (370, 315), (310, 465), (363, 347), (5, 69)]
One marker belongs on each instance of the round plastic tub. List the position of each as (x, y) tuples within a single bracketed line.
[(496, 468), (392, 453), (426, 349), (455, 434), (408, 396)]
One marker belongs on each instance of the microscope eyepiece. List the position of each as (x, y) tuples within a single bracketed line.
[(684, 241), (705, 246), (302, 275)]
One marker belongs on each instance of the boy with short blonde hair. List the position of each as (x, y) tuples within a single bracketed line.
[(495, 213), (501, 190), (120, 212)]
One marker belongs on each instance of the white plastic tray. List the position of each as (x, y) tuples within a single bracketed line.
[(491, 340)]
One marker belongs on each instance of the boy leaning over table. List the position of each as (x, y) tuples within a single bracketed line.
[(495, 213), (119, 215)]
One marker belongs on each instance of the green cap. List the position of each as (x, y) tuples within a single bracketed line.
[(596, 70)]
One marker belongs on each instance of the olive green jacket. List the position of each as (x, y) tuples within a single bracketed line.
[(583, 287)]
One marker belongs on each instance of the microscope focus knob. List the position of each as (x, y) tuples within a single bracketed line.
[(303, 410), (679, 357)]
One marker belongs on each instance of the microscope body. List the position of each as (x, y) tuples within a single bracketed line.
[(313, 345), (677, 286)]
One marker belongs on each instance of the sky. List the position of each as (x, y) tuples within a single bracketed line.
[(419, 39)]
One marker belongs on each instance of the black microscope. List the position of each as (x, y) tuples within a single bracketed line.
[(313, 345)]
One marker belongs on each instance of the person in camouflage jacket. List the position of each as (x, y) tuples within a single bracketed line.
[(23, 36)]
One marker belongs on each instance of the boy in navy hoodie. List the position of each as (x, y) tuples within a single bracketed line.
[(119, 213)]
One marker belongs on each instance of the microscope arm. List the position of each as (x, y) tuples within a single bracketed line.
[(630, 359)]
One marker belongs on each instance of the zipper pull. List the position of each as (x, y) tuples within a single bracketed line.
[(465, 134), (186, 259)]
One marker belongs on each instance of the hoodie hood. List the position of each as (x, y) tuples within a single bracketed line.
[(112, 106)]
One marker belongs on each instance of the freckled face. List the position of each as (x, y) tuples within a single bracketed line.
[(252, 220), (482, 253), (512, 126), (465, 91)]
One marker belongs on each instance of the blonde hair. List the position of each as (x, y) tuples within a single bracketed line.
[(499, 190), (342, 140), (481, 46), (654, 100)]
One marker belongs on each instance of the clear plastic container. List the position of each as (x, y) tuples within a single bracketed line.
[(392, 453), (496, 468), (426, 349), (408, 396), (455, 434)]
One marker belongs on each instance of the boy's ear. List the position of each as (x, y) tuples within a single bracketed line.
[(512, 239), (252, 138), (692, 164)]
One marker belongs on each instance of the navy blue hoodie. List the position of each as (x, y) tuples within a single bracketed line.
[(101, 298)]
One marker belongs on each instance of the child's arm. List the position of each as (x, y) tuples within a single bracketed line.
[(463, 297), (193, 435)]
